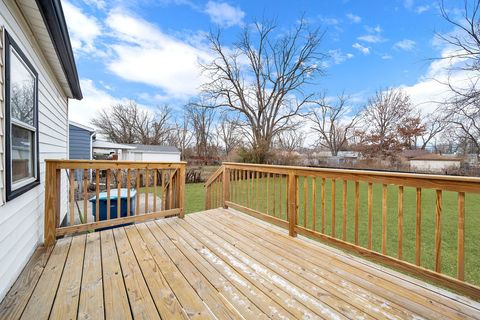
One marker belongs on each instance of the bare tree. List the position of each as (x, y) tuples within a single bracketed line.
[(228, 133), (117, 123), (291, 140), (463, 109), (201, 118), (435, 124), (262, 78), (181, 136), (384, 114), (334, 123), (127, 123), (410, 131)]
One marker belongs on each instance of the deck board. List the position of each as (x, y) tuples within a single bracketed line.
[(216, 264)]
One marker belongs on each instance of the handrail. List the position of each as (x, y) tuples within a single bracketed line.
[(214, 175), (345, 207), (86, 179)]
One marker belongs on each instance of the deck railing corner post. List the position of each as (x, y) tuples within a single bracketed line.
[(181, 191), (52, 202), (226, 186)]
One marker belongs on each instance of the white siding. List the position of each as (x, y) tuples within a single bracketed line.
[(434, 165), (21, 219), (163, 157)]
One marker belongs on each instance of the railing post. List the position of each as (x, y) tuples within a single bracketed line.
[(52, 202), (181, 191), (292, 206), (226, 186)]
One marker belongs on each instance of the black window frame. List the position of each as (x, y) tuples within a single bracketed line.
[(10, 192)]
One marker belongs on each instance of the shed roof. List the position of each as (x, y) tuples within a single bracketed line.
[(154, 148), (435, 157)]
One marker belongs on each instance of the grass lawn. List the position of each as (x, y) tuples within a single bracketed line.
[(194, 197)]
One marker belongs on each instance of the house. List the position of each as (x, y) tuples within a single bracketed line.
[(80, 140), (434, 163), (37, 77), (136, 152)]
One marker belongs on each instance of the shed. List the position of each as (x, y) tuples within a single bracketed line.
[(80, 141), (152, 153), (434, 163)]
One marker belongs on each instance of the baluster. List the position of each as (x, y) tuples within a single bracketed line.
[(72, 196), (356, 210), (400, 222), (137, 202), (119, 193), (155, 172), (128, 191), (97, 194), (163, 199), (323, 205), (344, 211), (438, 231), (274, 194), (268, 192), (370, 204), (85, 195), (334, 188), (314, 203), (305, 186), (461, 237), (418, 226), (146, 189), (384, 218), (108, 193)]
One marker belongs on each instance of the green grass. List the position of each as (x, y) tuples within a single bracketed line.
[(194, 197), (448, 219)]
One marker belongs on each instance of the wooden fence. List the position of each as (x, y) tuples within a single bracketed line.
[(374, 214), (146, 191)]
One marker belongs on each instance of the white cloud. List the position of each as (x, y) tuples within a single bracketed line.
[(371, 38), (99, 4), (82, 28), (406, 45), (147, 55), (94, 100), (354, 18), (362, 49), (376, 29), (422, 9), (329, 21), (386, 57), (224, 14), (432, 89), (337, 57)]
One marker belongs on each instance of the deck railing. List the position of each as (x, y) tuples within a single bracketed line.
[(419, 223), (147, 190)]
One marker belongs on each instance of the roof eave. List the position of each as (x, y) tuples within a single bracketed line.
[(52, 14)]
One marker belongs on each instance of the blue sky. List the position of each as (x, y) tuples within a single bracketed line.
[(148, 51)]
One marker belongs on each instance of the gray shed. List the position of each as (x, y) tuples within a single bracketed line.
[(80, 141)]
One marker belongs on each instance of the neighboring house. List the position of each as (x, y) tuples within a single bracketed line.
[(37, 76), (136, 152), (434, 163), (342, 158), (80, 141)]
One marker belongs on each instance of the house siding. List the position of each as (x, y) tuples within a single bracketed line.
[(21, 219), (79, 143)]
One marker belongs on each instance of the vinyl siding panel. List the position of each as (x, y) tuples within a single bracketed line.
[(21, 219), (79, 143)]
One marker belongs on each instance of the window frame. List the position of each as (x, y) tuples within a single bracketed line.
[(13, 191)]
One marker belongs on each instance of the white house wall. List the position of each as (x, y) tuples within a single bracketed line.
[(21, 219)]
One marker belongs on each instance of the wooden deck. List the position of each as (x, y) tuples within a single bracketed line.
[(216, 264)]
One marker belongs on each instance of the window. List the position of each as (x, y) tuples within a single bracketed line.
[(21, 121)]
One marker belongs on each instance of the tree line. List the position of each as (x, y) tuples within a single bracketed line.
[(258, 102)]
